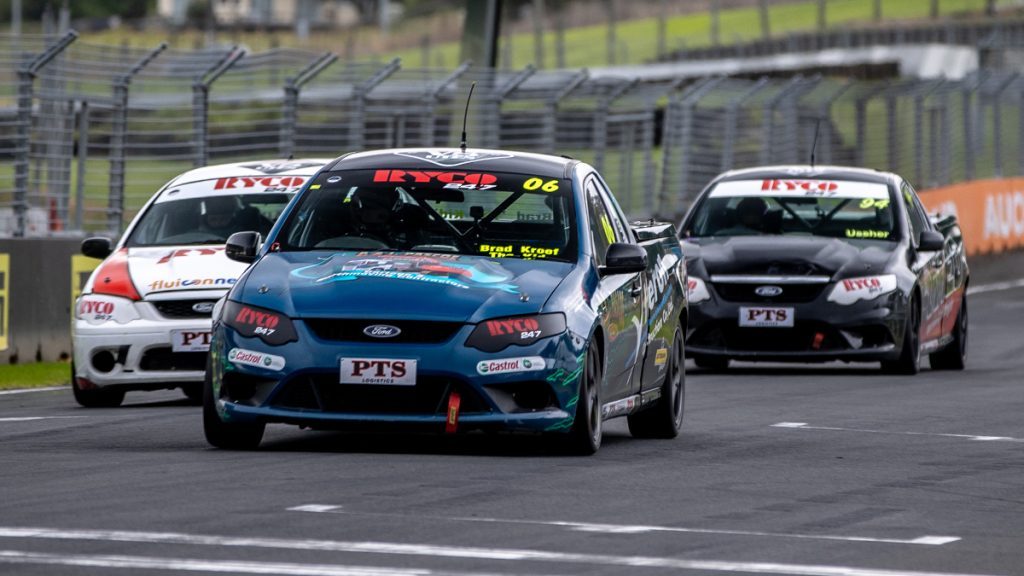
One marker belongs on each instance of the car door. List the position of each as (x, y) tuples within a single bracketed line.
[(619, 297), (929, 267)]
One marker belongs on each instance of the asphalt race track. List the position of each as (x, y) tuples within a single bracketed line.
[(832, 471)]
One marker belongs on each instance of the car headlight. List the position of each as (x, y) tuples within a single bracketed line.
[(696, 290), (864, 288), (499, 333), (272, 327)]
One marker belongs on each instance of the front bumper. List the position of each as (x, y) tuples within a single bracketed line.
[(868, 330), (306, 389)]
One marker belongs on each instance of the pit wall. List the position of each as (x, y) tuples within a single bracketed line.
[(990, 212)]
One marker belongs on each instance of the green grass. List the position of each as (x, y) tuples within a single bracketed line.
[(14, 376)]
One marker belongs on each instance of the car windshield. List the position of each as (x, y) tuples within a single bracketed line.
[(499, 215), (834, 209), (193, 214)]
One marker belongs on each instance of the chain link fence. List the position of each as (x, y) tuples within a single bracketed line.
[(89, 132)]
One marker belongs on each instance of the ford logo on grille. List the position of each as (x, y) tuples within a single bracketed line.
[(202, 307), (768, 291), (382, 331)]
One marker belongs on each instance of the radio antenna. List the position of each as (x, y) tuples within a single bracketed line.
[(814, 145), (465, 115)]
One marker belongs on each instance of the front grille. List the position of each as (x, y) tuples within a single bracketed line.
[(412, 331), (164, 359), (323, 392), (181, 308), (791, 293)]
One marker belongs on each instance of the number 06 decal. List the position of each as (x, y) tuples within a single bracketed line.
[(538, 184)]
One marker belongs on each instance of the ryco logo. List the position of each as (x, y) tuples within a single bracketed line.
[(251, 317), (425, 177), (94, 307), (511, 326), (791, 185), (267, 181)]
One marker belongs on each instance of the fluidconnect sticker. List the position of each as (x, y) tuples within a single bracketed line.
[(256, 359)]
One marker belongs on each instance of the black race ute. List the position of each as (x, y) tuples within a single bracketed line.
[(805, 264)]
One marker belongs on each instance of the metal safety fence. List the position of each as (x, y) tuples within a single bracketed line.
[(89, 132)]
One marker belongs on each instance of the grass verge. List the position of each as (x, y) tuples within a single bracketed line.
[(13, 376)]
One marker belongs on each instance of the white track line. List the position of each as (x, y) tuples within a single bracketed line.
[(28, 390), (442, 551), (996, 286), (232, 566), (806, 426), (635, 528), (31, 418)]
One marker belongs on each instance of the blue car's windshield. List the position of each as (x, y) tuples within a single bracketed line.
[(499, 215)]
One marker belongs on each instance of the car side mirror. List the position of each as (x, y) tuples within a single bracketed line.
[(931, 241), (242, 246), (623, 258), (98, 247)]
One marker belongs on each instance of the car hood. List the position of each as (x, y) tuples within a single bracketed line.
[(400, 285), (175, 268), (790, 255)]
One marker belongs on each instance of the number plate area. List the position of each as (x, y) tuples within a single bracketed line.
[(190, 340), (380, 371), (766, 317)]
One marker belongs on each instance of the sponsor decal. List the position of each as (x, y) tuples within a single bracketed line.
[(430, 269), (526, 328), (794, 185), (495, 335), (527, 252), (853, 289), (870, 234), (452, 158), (618, 407), (97, 309), (381, 371), (661, 356), (382, 331), (272, 327), (802, 187), (255, 359), (264, 323), (279, 167), (510, 365), (479, 181), (189, 252), (768, 291), (270, 183), (763, 317), (190, 340), (190, 283)]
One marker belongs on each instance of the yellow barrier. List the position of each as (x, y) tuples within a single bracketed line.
[(990, 212), (81, 267), (5, 283)]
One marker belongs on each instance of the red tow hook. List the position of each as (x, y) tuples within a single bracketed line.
[(451, 425), (818, 339)]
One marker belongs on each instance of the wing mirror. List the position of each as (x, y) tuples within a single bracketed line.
[(931, 241), (242, 246), (98, 247), (624, 258)]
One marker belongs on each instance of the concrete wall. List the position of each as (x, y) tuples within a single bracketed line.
[(39, 278)]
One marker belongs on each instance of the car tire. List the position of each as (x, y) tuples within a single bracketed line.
[(714, 363), (585, 436), (909, 362), (226, 435), (96, 398), (194, 393), (665, 417), (954, 355)]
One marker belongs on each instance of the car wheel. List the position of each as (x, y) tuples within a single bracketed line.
[(585, 436), (909, 362), (194, 393), (666, 416), (95, 398), (954, 355), (716, 363), (226, 435)]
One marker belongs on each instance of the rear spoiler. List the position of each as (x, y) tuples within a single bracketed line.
[(652, 230)]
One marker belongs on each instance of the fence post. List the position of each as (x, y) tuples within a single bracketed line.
[(357, 119), (997, 124), (201, 103), (768, 125), (825, 116), (892, 148), (26, 80), (118, 130), (492, 139), (967, 97), (919, 97), (686, 109), (433, 96), (860, 120), (550, 129), (731, 120), (600, 134), (83, 159), (290, 104)]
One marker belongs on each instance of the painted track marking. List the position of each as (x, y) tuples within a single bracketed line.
[(978, 438), (634, 529), (466, 552), (996, 287), (33, 418), (29, 390), (232, 566)]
